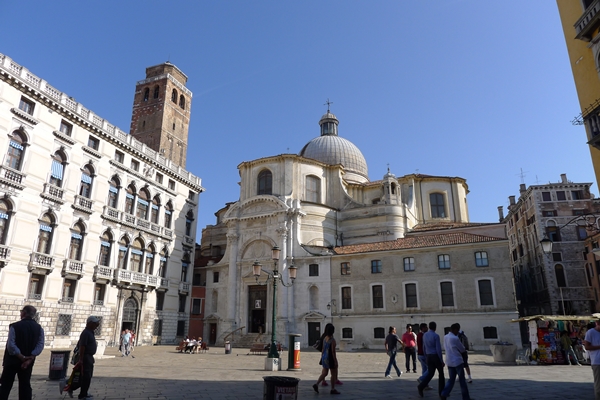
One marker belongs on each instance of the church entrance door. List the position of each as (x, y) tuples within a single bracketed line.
[(314, 332), (130, 314), (257, 308)]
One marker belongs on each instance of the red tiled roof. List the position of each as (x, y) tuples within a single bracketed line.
[(446, 225), (414, 242)]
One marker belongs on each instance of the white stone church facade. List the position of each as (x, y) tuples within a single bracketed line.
[(369, 254), (92, 221)]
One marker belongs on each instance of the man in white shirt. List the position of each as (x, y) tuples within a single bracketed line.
[(592, 345), (126, 344), (454, 360)]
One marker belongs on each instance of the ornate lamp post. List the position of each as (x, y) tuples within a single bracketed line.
[(275, 276)]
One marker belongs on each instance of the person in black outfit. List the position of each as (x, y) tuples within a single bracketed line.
[(87, 348), (25, 342)]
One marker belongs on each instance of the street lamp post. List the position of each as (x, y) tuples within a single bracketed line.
[(275, 276)]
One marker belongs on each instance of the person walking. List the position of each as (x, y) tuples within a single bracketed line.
[(24, 343), (465, 342), (567, 346), (409, 338), (391, 348), (433, 351), (328, 359), (87, 348), (592, 345), (454, 359), (420, 353), (126, 343)]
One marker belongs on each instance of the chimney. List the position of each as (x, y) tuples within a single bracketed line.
[(563, 178), (500, 213), (511, 200), (522, 188)]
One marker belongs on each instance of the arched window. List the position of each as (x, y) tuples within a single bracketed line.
[(436, 202), (16, 151), (5, 209), (45, 234), (76, 246), (87, 177), (136, 255), (189, 219), (105, 247), (149, 265), (155, 210), (123, 247), (146, 94), (313, 189), (143, 204), (162, 265), (168, 215), (560, 276), (156, 91), (113, 192), (129, 199), (57, 168), (265, 182), (174, 96), (182, 102)]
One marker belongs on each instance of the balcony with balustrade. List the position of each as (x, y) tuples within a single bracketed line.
[(132, 221), (72, 269), (103, 274), (140, 279), (163, 284), (188, 240), (184, 287), (587, 24), (82, 203), (53, 193), (4, 255), (40, 263), (12, 177)]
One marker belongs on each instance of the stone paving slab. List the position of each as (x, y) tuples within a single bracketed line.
[(159, 372)]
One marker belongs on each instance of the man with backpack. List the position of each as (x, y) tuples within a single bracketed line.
[(465, 342)]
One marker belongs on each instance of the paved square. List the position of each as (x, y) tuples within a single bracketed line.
[(161, 373)]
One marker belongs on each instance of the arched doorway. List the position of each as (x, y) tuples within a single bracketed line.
[(130, 313)]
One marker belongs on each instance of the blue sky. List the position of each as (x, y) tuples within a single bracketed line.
[(476, 89)]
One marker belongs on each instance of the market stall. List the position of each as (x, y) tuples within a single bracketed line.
[(545, 336)]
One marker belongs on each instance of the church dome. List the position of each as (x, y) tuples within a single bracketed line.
[(331, 149)]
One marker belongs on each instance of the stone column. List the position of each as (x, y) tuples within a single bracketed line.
[(282, 268), (232, 244)]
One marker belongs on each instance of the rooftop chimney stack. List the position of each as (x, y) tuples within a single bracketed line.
[(563, 178)]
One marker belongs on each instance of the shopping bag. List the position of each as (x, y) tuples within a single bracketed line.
[(74, 381)]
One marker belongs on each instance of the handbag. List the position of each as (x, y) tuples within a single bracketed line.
[(74, 381), (318, 345)]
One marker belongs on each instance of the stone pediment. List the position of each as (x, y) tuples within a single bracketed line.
[(212, 317), (313, 315), (256, 207)]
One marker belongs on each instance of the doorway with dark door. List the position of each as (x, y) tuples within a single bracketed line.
[(314, 332), (212, 337), (257, 308)]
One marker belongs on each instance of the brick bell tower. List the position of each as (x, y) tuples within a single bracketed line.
[(161, 112)]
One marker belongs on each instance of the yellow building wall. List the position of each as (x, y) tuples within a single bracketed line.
[(583, 65)]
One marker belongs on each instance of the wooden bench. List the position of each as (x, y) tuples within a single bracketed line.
[(257, 348)]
